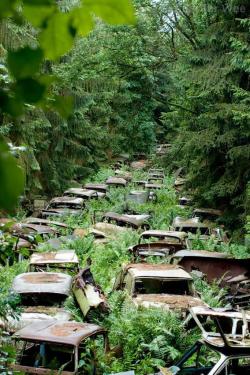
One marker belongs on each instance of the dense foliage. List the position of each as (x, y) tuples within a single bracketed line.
[(179, 75), (208, 110)]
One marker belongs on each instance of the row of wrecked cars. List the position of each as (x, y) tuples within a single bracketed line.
[(48, 340)]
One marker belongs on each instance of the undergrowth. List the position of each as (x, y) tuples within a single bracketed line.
[(143, 338)]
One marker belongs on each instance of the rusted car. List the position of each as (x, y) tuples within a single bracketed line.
[(224, 349), (185, 201), (234, 274), (33, 230), (116, 182), (152, 186), (62, 260), (88, 294), (60, 206), (42, 295), (45, 222), (158, 285), (139, 164), (179, 184), (138, 196), (85, 194), (207, 214), (27, 235), (58, 347), (131, 221), (156, 172), (195, 227), (101, 188), (123, 174), (102, 232), (158, 250), (141, 183), (175, 240)]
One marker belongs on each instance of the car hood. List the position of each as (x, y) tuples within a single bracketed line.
[(167, 301), (33, 315)]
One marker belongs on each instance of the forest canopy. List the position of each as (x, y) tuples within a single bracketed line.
[(161, 72)]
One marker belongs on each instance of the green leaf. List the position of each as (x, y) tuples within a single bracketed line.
[(63, 105), (37, 15), (39, 2), (29, 90), (7, 8), (56, 39), (9, 105), (112, 11), (82, 21), (25, 62), (11, 178)]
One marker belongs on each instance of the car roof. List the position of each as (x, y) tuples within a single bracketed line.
[(130, 219), (66, 199), (71, 333), (199, 253), (116, 180), (96, 186), (39, 221), (212, 211), (42, 282), (37, 229), (55, 257), (163, 233), (80, 192), (181, 222), (138, 270)]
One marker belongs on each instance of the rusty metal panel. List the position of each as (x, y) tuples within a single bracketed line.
[(216, 268), (42, 282), (70, 333)]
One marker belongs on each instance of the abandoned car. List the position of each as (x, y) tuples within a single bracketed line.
[(123, 174), (116, 182), (62, 260), (45, 222), (158, 250), (179, 184), (233, 274), (185, 201), (195, 227), (101, 188), (60, 206), (130, 221), (33, 230), (84, 193), (175, 240), (153, 186), (138, 196), (158, 285), (88, 294), (58, 347), (207, 214), (223, 350), (42, 295)]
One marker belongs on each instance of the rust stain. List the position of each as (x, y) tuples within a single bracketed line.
[(175, 301), (40, 278), (66, 329), (146, 266)]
